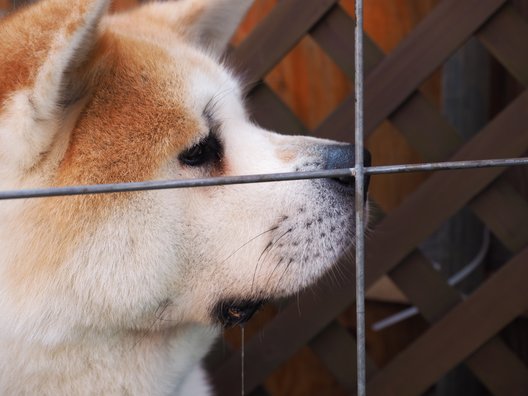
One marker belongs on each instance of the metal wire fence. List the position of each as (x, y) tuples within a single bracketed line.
[(260, 178)]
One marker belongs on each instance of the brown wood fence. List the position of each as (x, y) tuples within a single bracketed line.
[(462, 330)]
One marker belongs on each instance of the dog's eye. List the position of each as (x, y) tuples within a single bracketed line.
[(209, 150)]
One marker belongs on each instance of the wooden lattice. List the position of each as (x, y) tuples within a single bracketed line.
[(461, 330)]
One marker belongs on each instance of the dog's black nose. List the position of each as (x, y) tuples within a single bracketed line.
[(339, 156)]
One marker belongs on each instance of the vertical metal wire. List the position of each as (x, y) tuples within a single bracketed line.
[(360, 203)]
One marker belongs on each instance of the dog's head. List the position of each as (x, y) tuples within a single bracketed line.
[(87, 98)]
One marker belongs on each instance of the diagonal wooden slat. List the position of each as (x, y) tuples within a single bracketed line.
[(420, 121), (434, 298), (492, 354), (457, 187), (276, 36), (336, 348), (449, 25), (505, 212), (333, 33), (505, 37), (458, 334), (263, 102)]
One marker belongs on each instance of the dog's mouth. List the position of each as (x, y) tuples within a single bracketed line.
[(236, 312)]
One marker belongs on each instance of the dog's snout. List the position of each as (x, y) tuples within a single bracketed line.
[(340, 156)]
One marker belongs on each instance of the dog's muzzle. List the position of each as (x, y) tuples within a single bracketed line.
[(236, 312)]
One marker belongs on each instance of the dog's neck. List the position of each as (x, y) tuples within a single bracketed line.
[(133, 363)]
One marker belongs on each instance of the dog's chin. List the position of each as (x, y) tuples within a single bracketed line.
[(233, 312)]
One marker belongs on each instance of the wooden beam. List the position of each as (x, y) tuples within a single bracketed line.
[(494, 364), (505, 37), (509, 225), (394, 80), (263, 102), (504, 137), (273, 38), (458, 334), (337, 350)]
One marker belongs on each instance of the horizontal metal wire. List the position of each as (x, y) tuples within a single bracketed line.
[(437, 166), (264, 178)]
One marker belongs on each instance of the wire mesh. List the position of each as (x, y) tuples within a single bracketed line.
[(260, 178)]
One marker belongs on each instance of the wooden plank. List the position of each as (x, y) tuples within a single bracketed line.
[(334, 32), (504, 137), (425, 129), (505, 212), (499, 300), (388, 244), (494, 364), (505, 37), (272, 39), (262, 102), (337, 350), (420, 122), (450, 24), (433, 297), (495, 355)]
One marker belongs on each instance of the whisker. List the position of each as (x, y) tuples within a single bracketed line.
[(268, 248), (272, 272), (164, 305), (245, 244), (284, 272)]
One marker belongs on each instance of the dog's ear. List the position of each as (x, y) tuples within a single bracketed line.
[(44, 46), (206, 23), (71, 41)]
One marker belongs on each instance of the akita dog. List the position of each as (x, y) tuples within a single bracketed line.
[(124, 293)]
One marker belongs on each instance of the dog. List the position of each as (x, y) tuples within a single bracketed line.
[(123, 294)]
